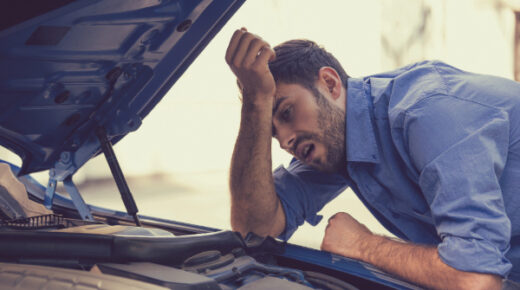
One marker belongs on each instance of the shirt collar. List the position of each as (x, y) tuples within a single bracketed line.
[(360, 138)]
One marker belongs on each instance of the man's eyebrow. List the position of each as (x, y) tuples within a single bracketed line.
[(277, 104)]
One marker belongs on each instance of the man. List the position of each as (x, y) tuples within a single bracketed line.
[(432, 151)]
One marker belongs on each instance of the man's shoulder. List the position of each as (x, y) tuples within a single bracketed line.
[(435, 79), (413, 68), (400, 89)]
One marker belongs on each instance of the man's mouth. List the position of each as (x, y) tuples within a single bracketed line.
[(305, 152)]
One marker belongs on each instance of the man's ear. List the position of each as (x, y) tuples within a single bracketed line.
[(330, 80)]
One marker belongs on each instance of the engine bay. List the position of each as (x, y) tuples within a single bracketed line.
[(219, 260), (42, 246)]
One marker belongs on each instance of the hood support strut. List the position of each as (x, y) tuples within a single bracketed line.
[(117, 173)]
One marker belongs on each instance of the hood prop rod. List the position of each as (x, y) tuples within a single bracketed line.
[(117, 173)]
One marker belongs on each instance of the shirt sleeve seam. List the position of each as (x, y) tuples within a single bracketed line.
[(441, 76), (439, 95)]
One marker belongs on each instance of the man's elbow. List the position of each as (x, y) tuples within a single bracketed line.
[(259, 231), (238, 227), (241, 225), (267, 223), (263, 229)]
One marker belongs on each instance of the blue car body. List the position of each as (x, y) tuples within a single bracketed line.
[(75, 73)]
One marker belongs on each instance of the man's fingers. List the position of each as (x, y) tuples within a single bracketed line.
[(334, 216), (242, 48), (245, 49), (233, 43), (253, 51), (265, 55)]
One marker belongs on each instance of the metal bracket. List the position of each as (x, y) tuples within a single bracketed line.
[(71, 188), (51, 189), (78, 201)]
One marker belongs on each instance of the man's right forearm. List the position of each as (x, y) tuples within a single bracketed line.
[(254, 203)]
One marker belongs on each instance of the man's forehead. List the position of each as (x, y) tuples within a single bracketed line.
[(283, 92)]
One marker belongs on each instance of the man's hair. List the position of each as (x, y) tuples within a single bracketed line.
[(299, 61)]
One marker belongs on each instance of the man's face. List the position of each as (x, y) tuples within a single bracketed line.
[(310, 126)]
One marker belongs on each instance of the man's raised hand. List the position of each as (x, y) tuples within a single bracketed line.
[(248, 56)]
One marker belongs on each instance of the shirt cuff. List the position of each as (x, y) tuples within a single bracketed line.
[(472, 255), (292, 221)]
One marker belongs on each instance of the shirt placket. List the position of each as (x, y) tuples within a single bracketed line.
[(360, 185)]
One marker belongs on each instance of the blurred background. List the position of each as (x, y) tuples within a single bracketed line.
[(177, 163)]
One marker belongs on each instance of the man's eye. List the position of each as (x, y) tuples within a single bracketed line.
[(287, 113)]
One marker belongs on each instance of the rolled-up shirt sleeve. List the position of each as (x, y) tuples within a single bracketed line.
[(303, 192), (459, 176)]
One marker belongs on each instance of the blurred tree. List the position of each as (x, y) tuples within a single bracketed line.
[(404, 32)]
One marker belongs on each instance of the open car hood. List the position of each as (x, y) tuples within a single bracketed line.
[(86, 65)]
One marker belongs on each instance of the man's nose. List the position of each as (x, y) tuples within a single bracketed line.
[(285, 137)]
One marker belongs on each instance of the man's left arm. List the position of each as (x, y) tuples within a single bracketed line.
[(459, 148), (419, 264)]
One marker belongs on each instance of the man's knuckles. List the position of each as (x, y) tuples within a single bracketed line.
[(246, 39), (256, 44), (254, 59), (338, 217), (237, 52)]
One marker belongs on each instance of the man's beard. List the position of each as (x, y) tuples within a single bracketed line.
[(331, 122), (331, 125)]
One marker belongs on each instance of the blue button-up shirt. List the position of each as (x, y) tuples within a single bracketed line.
[(434, 154)]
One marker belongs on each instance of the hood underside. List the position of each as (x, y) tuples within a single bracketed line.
[(90, 64)]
